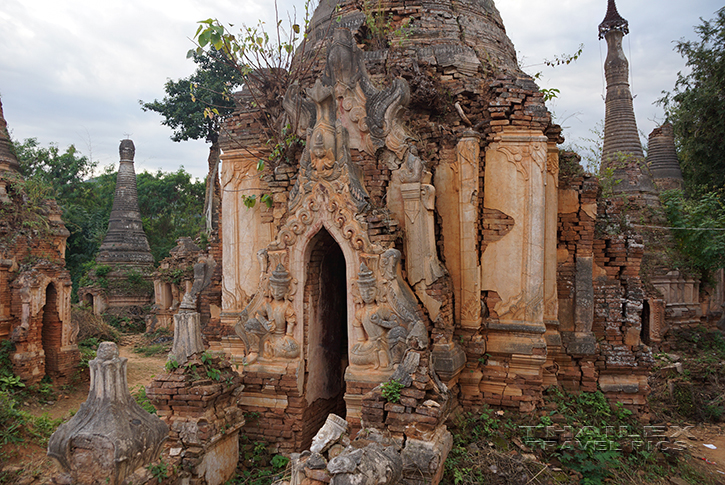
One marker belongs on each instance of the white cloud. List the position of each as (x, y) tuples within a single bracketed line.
[(72, 71)]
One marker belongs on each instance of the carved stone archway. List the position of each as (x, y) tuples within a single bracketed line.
[(326, 328)]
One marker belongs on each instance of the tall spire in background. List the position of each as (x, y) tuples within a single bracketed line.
[(125, 241), (622, 147)]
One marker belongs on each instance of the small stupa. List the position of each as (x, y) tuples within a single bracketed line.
[(125, 241), (662, 158)]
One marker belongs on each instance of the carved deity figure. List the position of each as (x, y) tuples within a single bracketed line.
[(270, 330), (371, 326)]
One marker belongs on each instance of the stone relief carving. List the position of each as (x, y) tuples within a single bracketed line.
[(418, 195), (266, 325), (344, 111), (371, 326), (386, 322)]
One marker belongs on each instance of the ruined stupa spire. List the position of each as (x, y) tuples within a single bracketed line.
[(622, 147), (8, 160), (662, 158), (125, 241)]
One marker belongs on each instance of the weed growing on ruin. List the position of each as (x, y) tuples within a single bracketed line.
[(214, 374), (391, 390), (171, 365), (251, 416), (159, 471), (139, 395), (279, 462), (257, 466)]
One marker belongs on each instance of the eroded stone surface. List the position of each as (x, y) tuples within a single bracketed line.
[(110, 436)]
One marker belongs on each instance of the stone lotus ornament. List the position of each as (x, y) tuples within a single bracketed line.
[(267, 324), (110, 436)]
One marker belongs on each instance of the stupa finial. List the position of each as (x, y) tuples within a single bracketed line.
[(613, 21)]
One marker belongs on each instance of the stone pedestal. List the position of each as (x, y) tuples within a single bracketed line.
[(110, 436), (198, 403), (187, 337)]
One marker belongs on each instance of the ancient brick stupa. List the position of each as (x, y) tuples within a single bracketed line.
[(8, 161), (125, 242), (413, 237), (35, 287), (662, 158), (125, 250), (622, 148)]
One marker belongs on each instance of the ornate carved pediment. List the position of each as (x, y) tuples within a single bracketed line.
[(370, 115)]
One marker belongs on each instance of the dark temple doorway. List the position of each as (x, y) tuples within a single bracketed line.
[(645, 330), (51, 332), (326, 301)]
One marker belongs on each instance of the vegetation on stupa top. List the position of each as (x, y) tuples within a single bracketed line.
[(170, 203)]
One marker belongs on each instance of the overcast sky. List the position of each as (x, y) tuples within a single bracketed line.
[(72, 71)]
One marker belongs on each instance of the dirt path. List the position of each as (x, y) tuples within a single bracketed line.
[(711, 435), (141, 370)]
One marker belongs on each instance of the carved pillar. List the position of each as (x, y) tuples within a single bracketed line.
[(512, 268), (551, 299), (554, 348), (421, 262), (244, 231), (469, 290)]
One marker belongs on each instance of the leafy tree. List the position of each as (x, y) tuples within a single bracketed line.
[(64, 172), (171, 206), (698, 228), (170, 203), (86, 205), (194, 108), (696, 106)]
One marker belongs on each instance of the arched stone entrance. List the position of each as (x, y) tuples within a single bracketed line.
[(325, 295), (52, 331)]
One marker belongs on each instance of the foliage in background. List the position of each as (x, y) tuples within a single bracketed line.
[(263, 59), (195, 107), (698, 226), (696, 106), (171, 204)]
